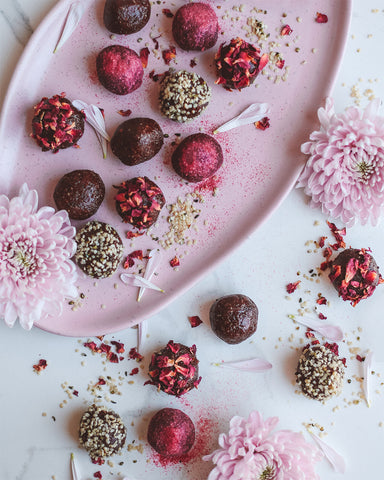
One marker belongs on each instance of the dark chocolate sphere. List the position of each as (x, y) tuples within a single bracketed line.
[(80, 193), (137, 140), (355, 274), (126, 16), (195, 26), (119, 69), (171, 432), (197, 157), (102, 432), (234, 318)]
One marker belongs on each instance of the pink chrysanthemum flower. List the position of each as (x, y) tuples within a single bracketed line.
[(36, 273), (251, 451), (344, 174)]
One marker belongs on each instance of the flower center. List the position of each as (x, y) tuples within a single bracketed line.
[(268, 474), (22, 259), (365, 170)]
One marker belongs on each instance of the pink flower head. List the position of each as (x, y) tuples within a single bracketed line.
[(36, 272), (344, 174), (251, 451)]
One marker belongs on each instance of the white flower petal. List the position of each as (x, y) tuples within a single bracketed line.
[(75, 474), (332, 332), (76, 11), (152, 264), (133, 280), (252, 114), (251, 365), (334, 458), (367, 375), (141, 334)]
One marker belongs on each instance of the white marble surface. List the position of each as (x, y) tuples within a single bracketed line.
[(37, 446)]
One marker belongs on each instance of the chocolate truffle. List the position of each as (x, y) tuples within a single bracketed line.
[(195, 26), (139, 202), (126, 16), (197, 157), (355, 275), (99, 249), (171, 432), (234, 318), (80, 193), (137, 140), (174, 369), (238, 64), (119, 69), (56, 123), (102, 433), (320, 372), (183, 95)]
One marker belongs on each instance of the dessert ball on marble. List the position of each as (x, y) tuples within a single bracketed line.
[(195, 26), (99, 249), (56, 123), (238, 63), (171, 432), (234, 318), (80, 193), (320, 372), (139, 202), (197, 157), (102, 433), (137, 140), (183, 95), (355, 274), (119, 69), (174, 369), (126, 16)]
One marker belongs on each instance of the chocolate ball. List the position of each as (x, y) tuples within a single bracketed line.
[(139, 202), (102, 432), (183, 95), (197, 157), (80, 193), (56, 124), (355, 274), (234, 318), (126, 16), (99, 249), (137, 140), (171, 432), (195, 26), (174, 369), (320, 372), (119, 69)]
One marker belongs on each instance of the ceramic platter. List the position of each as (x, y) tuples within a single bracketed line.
[(260, 167)]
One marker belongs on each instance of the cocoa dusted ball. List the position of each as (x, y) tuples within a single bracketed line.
[(238, 63), (126, 16), (80, 193), (56, 124), (355, 275), (171, 432), (195, 26), (234, 318), (139, 202), (119, 69), (99, 249), (137, 140), (174, 369), (197, 157), (102, 433), (320, 372)]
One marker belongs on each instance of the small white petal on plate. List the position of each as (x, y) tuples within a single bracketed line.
[(252, 114), (251, 365), (95, 118), (76, 11), (152, 264), (75, 474), (142, 329), (332, 332), (133, 280), (367, 375), (334, 458)]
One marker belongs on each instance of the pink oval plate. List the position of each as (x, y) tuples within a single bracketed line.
[(260, 166)]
